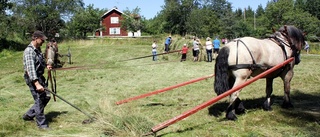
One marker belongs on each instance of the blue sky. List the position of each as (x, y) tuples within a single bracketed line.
[(150, 8)]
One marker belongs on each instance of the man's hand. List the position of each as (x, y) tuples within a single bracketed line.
[(49, 67), (39, 87)]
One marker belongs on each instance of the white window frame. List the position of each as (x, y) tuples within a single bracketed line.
[(114, 31), (114, 20)]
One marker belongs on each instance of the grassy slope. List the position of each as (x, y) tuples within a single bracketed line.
[(97, 89)]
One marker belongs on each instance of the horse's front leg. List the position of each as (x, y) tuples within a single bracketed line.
[(269, 88), (286, 82)]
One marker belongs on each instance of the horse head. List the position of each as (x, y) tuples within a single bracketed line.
[(295, 36), (50, 53)]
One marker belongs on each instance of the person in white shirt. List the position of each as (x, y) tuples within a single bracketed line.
[(196, 49), (209, 47), (154, 50), (307, 47)]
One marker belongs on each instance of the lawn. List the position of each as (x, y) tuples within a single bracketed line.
[(108, 79)]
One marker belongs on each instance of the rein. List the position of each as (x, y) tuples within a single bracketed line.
[(52, 82), (281, 43), (286, 42)]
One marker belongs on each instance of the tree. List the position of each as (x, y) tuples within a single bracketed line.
[(275, 11), (48, 16), (4, 19), (303, 20), (132, 20), (202, 26), (155, 25), (312, 6), (84, 21), (286, 12), (259, 11)]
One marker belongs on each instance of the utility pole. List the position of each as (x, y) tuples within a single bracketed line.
[(244, 14), (254, 20)]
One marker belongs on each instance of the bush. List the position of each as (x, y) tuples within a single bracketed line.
[(313, 38), (11, 45), (315, 48)]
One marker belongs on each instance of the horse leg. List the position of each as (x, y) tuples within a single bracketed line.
[(235, 106), (286, 82), (269, 88)]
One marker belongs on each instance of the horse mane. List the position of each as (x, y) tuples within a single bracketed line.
[(295, 34)]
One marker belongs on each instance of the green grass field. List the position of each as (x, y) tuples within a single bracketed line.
[(108, 80)]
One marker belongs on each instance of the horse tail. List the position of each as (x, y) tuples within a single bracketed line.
[(221, 81)]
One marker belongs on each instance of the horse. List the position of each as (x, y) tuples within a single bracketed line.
[(248, 56), (52, 55)]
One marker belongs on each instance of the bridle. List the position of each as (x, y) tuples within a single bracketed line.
[(286, 41)]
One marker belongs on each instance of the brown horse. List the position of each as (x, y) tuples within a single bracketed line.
[(52, 55), (248, 56)]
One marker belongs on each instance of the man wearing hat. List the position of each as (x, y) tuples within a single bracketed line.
[(34, 65), (167, 44)]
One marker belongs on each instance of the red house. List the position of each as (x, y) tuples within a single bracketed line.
[(111, 21)]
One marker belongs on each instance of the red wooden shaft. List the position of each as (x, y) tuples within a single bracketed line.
[(213, 100), (162, 90)]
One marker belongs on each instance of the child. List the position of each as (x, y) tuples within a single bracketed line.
[(184, 52), (154, 50)]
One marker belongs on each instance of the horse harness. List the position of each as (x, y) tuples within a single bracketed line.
[(279, 41)]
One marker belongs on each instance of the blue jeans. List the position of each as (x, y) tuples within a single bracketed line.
[(154, 55), (166, 47), (209, 55), (41, 99)]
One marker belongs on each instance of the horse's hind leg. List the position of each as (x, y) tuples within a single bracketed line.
[(236, 105), (286, 82), (267, 103)]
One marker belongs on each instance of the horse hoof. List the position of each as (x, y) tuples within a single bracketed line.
[(266, 106), (287, 105), (231, 116), (240, 109)]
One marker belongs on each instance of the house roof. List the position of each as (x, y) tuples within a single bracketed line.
[(113, 9)]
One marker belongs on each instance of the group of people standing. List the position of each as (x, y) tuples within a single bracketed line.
[(212, 48)]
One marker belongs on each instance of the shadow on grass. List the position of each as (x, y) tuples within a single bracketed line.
[(303, 104), (307, 107), (306, 110), (54, 114), (219, 108), (200, 126)]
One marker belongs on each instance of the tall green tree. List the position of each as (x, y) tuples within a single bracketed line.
[(225, 17), (155, 25), (132, 20), (176, 14), (45, 15), (312, 6), (275, 11), (84, 21), (4, 18)]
